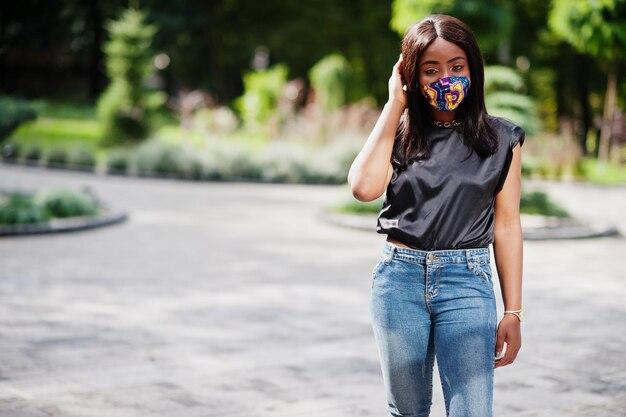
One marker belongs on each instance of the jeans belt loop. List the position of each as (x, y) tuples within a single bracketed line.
[(468, 257)]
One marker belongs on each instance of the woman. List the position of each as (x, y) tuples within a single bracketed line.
[(452, 176)]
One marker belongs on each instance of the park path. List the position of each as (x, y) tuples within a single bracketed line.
[(236, 299)]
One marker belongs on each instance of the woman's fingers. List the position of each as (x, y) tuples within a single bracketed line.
[(396, 91), (509, 332), (509, 356)]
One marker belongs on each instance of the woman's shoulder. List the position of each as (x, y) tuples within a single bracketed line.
[(507, 130)]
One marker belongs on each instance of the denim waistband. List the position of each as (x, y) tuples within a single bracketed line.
[(470, 255)]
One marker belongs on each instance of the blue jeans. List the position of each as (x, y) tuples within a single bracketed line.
[(427, 304)]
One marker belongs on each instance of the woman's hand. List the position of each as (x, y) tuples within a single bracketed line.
[(395, 84), (509, 332)]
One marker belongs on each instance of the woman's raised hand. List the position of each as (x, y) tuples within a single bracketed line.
[(396, 93)]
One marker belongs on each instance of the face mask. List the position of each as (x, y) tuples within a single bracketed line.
[(447, 93)]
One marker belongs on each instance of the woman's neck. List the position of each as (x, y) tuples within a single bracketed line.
[(443, 116)]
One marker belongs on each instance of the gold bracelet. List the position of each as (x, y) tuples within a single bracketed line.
[(517, 313)]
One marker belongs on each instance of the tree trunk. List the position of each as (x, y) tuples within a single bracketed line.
[(95, 87), (609, 113), (584, 104)]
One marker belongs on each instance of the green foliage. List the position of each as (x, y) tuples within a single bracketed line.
[(19, 208), (353, 206), (537, 202), (262, 91), (595, 27), (504, 97), (82, 156), (601, 172), (283, 162), (330, 78), (118, 160), (127, 105), (32, 153), (158, 157), (57, 156), (62, 203), (12, 114), (491, 20)]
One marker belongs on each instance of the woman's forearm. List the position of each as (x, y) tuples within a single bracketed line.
[(369, 170), (508, 251)]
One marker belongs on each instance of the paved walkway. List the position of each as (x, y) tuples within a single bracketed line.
[(234, 299)]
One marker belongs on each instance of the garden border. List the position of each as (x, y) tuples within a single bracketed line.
[(70, 224)]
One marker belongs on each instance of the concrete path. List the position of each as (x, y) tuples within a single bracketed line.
[(234, 299)]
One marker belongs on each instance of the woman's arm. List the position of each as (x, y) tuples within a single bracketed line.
[(508, 251), (371, 170)]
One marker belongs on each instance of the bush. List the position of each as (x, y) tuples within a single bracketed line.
[(239, 162), (33, 153), (281, 162), (19, 208), (158, 157), (118, 159), (330, 77), (57, 156), (262, 90), (600, 172), (332, 163), (82, 157), (537, 202), (504, 97), (126, 106), (63, 203), (13, 113)]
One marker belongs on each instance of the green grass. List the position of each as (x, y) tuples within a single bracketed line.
[(601, 172), (47, 132)]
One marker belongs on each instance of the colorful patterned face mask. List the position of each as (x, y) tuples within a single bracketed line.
[(447, 93)]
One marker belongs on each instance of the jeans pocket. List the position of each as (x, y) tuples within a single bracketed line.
[(482, 270)]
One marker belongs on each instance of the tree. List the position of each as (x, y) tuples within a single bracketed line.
[(597, 28), (127, 104), (491, 20)]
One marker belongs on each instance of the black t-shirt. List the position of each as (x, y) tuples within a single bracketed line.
[(447, 201)]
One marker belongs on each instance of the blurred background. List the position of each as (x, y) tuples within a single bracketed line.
[(238, 89), (216, 135)]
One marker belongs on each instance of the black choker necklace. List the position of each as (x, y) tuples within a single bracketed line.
[(453, 123)]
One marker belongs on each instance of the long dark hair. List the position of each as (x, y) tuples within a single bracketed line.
[(410, 141)]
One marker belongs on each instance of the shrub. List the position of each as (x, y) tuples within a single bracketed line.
[(126, 106), (158, 157), (219, 120), (33, 153), (332, 163), (537, 202), (19, 208), (505, 98), (282, 162), (82, 157), (239, 162), (118, 159), (58, 156), (64, 203), (13, 113), (330, 77), (600, 172), (262, 90)]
